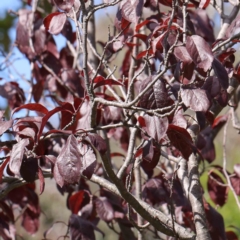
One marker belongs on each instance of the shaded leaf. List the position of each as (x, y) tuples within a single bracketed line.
[(208, 151), (221, 73), (29, 168), (180, 139), (88, 159), (81, 229), (150, 155), (215, 222), (73, 80), (98, 142), (104, 209), (46, 117), (68, 165), (216, 189), (231, 235), (156, 96), (154, 192)]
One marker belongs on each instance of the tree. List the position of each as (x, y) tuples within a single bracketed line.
[(161, 103)]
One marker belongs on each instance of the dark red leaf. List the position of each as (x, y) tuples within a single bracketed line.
[(180, 139), (215, 222), (126, 62), (217, 192), (66, 58), (29, 168), (7, 210), (54, 63), (220, 121), (38, 91), (106, 82), (140, 25), (141, 121), (46, 117), (156, 127), (204, 3), (116, 154), (221, 73), (154, 192), (150, 155), (17, 156), (2, 167), (195, 99), (212, 86), (73, 80), (200, 52), (68, 165), (231, 235), (54, 22), (156, 96), (78, 200), (30, 221), (222, 98), (104, 209), (157, 43), (33, 107), (144, 53), (143, 37)]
